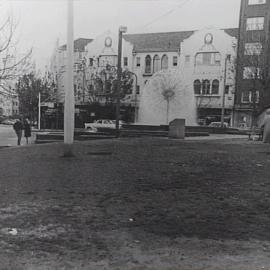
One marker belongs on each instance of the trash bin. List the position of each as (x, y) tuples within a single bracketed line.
[(177, 129)]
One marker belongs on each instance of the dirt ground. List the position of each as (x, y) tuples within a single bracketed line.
[(136, 204)]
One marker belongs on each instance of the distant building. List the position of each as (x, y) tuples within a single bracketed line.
[(208, 58), (253, 61), (58, 68), (152, 52), (9, 104), (101, 77), (52, 116), (15, 105), (199, 54)]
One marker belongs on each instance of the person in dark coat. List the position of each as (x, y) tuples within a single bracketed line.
[(27, 129), (18, 127), (266, 132)]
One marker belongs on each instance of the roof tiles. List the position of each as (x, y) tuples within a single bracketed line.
[(167, 41)]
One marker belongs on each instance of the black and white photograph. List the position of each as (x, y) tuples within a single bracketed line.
[(134, 134)]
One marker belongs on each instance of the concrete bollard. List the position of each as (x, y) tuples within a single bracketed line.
[(177, 129)]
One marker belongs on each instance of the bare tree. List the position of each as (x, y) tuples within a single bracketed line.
[(11, 66), (28, 88), (103, 82)]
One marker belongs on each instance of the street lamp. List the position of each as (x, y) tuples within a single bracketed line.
[(228, 57), (122, 29), (136, 89)]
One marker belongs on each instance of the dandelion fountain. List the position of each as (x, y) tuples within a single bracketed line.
[(167, 96)]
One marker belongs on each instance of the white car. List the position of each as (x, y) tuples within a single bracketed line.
[(91, 129), (101, 123), (218, 124)]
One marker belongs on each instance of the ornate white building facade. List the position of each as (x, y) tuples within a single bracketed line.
[(209, 56), (205, 56)]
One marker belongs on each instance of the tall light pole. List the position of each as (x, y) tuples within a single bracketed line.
[(136, 89), (122, 29), (69, 91), (227, 58)]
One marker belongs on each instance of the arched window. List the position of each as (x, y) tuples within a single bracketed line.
[(197, 87), (164, 62), (156, 63), (206, 87), (215, 87), (148, 64)]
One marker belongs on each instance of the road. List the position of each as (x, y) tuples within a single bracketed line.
[(8, 136)]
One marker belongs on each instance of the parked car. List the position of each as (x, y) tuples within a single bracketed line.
[(216, 118), (243, 126), (218, 124), (91, 129), (8, 122), (102, 123)]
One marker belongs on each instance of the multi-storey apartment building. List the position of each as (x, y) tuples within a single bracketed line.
[(253, 78)]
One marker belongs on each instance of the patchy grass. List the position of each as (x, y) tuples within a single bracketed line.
[(144, 204)]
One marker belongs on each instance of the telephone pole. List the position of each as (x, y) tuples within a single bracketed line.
[(69, 91)]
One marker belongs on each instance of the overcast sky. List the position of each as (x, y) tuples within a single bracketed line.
[(41, 22)]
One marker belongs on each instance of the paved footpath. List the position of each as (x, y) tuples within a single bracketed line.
[(217, 137), (8, 136)]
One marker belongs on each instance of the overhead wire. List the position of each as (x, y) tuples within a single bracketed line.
[(166, 14)]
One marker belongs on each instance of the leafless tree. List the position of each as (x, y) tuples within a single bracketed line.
[(11, 66)]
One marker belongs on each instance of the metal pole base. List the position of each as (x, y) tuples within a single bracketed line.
[(68, 151)]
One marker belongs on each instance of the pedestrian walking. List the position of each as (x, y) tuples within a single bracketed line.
[(18, 127), (27, 129), (266, 132)]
